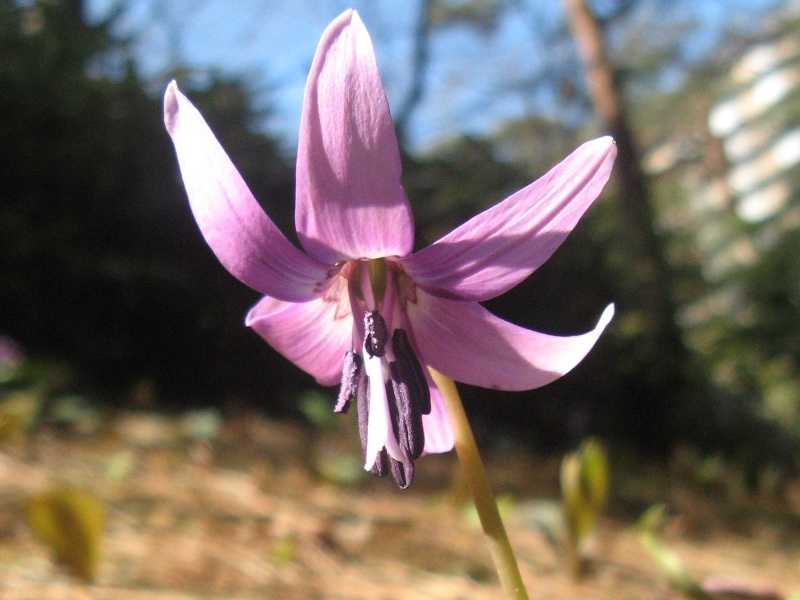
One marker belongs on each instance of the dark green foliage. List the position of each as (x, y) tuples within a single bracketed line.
[(103, 265)]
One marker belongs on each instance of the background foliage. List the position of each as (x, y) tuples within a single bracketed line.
[(105, 272)]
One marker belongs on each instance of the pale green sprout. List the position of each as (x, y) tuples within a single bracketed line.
[(649, 528), (70, 521), (584, 491)]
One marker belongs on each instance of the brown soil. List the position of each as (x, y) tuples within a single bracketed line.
[(248, 516)]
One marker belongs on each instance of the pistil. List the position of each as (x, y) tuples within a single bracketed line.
[(376, 268)]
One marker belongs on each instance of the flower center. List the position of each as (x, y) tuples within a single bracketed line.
[(384, 376)]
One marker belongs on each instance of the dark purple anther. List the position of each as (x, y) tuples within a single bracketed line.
[(362, 405), (402, 472), (351, 373), (375, 333), (405, 415), (379, 469), (409, 371)]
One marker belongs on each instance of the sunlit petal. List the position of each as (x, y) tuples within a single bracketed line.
[(495, 250), (466, 342), (350, 203), (239, 232), (314, 335)]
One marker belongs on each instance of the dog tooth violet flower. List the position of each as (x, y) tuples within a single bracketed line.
[(356, 306)]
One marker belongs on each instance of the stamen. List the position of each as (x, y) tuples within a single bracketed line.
[(350, 375), (362, 406), (409, 371), (379, 469), (405, 415), (375, 333), (403, 473), (405, 396)]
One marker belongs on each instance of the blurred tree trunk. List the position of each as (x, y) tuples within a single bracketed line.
[(655, 286)]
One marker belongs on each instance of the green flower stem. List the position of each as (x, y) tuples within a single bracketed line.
[(504, 559)]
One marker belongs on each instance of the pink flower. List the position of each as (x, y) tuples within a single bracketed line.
[(357, 307)]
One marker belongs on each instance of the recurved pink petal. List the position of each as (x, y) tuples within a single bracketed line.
[(239, 232), (495, 250), (350, 203), (314, 335), (466, 342)]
